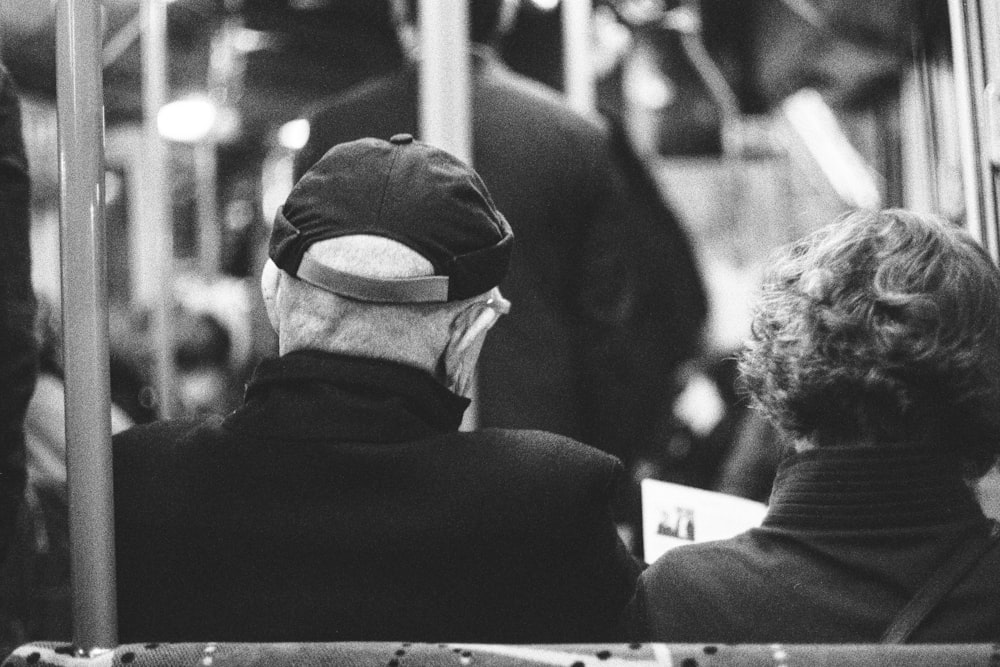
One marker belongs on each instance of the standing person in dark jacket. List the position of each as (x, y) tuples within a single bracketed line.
[(876, 348), (609, 300), (18, 349), (340, 502)]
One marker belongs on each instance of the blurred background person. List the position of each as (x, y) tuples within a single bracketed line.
[(35, 590), (35, 586), (18, 348)]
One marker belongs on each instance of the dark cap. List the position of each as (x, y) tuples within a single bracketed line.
[(404, 190)]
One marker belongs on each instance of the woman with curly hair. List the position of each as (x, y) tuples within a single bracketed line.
[(875, 348)]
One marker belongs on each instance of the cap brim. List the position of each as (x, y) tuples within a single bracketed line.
[(421, 289)]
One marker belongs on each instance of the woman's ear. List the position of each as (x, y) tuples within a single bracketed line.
[(270, 276)]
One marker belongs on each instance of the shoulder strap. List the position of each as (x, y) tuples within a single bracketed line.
[(941, 582)]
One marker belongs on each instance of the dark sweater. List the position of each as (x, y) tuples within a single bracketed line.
[(341, 503), (850, 536)]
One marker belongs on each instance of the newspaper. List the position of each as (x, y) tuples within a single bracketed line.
[(674, 514)]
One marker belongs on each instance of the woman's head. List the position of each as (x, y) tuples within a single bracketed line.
[(883, 327)]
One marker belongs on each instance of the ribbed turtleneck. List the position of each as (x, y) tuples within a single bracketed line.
[(868, 487)]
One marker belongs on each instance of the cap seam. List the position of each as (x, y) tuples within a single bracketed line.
[(385, 183)]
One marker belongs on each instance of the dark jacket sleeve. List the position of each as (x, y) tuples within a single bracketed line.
[(642, 290), (595, 574), (614, 562), (18, 350), (635, 619)]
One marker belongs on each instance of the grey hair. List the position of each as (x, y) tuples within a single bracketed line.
[(312, 318), (883, 327)]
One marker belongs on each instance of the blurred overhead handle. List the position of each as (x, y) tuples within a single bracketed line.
[(154, 246)]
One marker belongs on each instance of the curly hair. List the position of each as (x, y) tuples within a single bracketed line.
[(883, 327)]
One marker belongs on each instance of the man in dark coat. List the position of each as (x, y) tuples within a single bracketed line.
[(18, 349), (608, 299), (340, 502)]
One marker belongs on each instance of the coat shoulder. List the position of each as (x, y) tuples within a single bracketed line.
[(543, 462)]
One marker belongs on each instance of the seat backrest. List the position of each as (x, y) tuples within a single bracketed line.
[(401, 654)]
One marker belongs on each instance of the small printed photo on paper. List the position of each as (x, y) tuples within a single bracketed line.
[(674, 514)]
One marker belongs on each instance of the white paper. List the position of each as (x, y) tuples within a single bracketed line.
[(674, 514)]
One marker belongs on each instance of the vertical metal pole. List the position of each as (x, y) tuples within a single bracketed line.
[(85, 317), (223, 80), (916, 118), (445, 109), (970, 86), (989, 37), (158, 211), (578, 73), (445, 96), (209, 236)]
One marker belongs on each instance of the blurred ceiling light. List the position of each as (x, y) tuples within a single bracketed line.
[(248, 40), (644, 84), (294, 134), (187, 120), (545, 5)]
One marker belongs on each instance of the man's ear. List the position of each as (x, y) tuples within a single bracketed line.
[(468, 332), (270, 276)]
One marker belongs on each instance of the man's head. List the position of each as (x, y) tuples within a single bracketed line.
[(882, 328), (390, 250)]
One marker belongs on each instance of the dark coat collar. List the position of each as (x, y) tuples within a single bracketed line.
[(856, 488), (310, 395)]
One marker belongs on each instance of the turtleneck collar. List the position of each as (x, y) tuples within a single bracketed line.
[(311, 395), (869, 487)]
